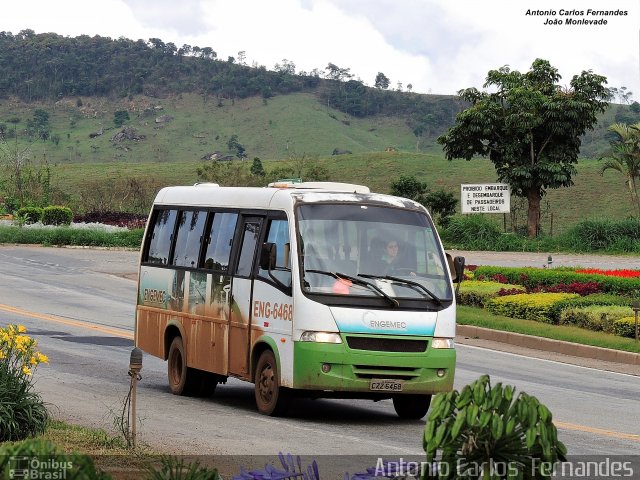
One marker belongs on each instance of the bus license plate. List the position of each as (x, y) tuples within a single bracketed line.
[(385, 385)]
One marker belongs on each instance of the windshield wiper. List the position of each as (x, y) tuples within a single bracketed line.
[(415, 285), (357, 281)]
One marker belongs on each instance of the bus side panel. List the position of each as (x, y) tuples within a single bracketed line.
[(150, 327), (202, 311), (272, 315), (206, 322)]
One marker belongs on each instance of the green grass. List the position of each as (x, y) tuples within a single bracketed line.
[(481, 318), (592, 196)]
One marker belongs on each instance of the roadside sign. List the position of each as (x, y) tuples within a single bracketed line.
[(485, 198)]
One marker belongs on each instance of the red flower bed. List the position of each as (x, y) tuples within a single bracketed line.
[(581, 288), (611, 273)]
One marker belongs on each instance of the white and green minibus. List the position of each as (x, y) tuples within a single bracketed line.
[(315, 288)]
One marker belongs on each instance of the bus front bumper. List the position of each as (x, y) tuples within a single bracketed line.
[(336, 368)]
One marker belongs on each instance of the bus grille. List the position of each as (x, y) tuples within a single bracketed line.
[(387, 344), (379, 371)]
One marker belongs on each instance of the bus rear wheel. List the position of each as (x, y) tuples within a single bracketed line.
[(184, 380), (271, 398), (411, 407)]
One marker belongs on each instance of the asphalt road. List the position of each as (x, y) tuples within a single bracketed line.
[(79, 304)]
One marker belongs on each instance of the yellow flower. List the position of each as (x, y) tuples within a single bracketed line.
[(33, 360), (42, 358), (21, 329), (1, 354), (26, 370)]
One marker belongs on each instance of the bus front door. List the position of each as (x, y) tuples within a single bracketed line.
[(241, 293)]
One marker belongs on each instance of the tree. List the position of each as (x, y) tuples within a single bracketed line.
[(529, 127), (441, 205), (625, 158), (257, 168), (382, 82), (408, 186), (39, 124), (120, 117), (334, 72), (235, 146)]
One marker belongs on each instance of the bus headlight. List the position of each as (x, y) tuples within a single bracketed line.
[(321, 337), (442, 343)]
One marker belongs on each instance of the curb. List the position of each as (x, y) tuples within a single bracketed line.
[(549, 345)]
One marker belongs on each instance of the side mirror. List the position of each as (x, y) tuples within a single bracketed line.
[(268, 256), (456, 268)]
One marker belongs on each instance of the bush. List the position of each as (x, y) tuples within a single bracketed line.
[(22, 411), (483, 429), (29, 214), (595, 317), (476, 293), (534, 306), (71, 236), (57, 215), (625, 327), (51, 462), (172, 468), (604, 234), (595, 299), (471, 231)]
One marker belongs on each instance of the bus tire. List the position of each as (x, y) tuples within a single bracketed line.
[(411, 407), (271, 398), (182, 379)]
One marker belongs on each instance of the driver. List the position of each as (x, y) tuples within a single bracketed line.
[(390, 258)]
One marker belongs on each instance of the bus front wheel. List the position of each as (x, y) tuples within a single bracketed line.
[(411, 407), (184, 380), (271, 398)]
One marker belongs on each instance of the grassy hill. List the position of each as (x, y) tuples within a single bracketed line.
[(271, 129), (275, 129)]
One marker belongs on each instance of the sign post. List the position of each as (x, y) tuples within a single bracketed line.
[(485, 198)]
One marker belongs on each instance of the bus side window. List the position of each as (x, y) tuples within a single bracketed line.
[(219, 240), (278, 233), (161, 237), (189, 238)]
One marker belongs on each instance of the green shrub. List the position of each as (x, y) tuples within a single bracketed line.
[(22, 411), (531, 277), (588, 300), (595, 317), (625, 327), (71, 236), (57, 215), (50, 462), (172, 468), (476, 293), (603, 234), (483, 429), (471, 231), (534, 306), (29, 214)]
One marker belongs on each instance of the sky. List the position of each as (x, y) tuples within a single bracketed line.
[(436, 46)]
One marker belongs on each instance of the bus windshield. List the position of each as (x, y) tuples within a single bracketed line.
[(365, 250)]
